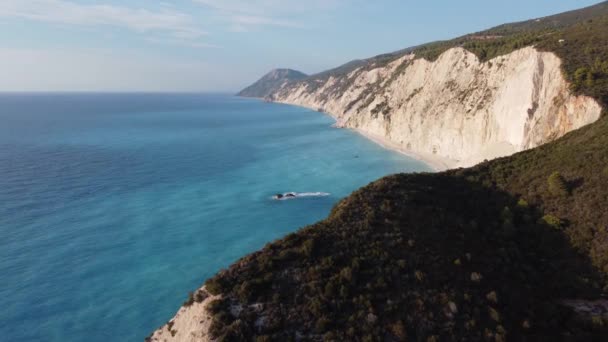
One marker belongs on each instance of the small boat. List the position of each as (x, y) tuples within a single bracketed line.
[(292, 195), (285, 195)]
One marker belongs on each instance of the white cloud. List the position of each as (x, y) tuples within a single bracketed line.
[(106, 70), (245, 20), (243, 14), (271, 7), (181, 42), (165, 21)]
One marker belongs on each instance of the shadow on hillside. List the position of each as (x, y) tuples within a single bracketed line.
[(412, 257)]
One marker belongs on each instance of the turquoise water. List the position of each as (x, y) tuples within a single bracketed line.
[(114, 207)]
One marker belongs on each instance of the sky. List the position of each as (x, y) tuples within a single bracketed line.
[(222, 45)]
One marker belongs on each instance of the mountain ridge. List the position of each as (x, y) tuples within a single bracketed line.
[(559, 20), (271, 81)]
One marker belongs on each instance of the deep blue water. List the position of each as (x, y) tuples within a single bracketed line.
[(114, 207)]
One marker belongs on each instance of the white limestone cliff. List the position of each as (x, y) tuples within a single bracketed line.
[(455, 111), (190, 324)]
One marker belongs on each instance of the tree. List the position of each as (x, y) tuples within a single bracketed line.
[(580, 75), (557, 185)]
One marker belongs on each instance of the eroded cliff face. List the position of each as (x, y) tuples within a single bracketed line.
[(456, 109), (190, 324)]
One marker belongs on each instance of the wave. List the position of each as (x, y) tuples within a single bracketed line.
[(293, 195)]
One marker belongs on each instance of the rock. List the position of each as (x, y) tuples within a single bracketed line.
[(494, 314), (190, 324), (453, 308), (371, 318), (476, 277), (588, 309), (492, 297)]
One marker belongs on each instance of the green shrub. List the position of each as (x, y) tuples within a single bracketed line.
[(506, 215), (214, 286), (522, 203), (308, 247), (557, 185), (322, 324), (216, 328), (346, 274), (245, 292), (398, 330), (581, 75), (190, 299), (215, 306), (552, 221)]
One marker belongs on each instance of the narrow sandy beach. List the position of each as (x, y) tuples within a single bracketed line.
[(438, 164)]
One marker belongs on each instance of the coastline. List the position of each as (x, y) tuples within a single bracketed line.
[(436, 163)]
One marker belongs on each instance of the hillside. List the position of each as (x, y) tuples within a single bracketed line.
[(271, 81), (473, 254), (556, 21), (514, 248)]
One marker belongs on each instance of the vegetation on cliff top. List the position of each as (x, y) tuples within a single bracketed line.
[(582, 47), (577, 37)]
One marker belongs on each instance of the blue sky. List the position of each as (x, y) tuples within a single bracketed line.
[(221, 45)]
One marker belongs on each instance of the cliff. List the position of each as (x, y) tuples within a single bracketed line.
[(456, 109), (191, 323)]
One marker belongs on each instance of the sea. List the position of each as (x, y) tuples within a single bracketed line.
[(114, 206)]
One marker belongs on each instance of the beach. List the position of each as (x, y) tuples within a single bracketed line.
[(435, 162)]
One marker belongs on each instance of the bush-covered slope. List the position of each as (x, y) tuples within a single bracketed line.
[(556, 21), (581, 159), (473, 254)]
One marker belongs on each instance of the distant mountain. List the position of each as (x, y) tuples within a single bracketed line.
[(271, 81)]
